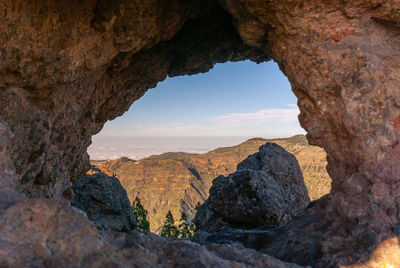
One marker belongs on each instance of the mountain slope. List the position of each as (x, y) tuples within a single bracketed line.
[(178, 181)]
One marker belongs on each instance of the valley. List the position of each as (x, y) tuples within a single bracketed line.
[(178, 181)]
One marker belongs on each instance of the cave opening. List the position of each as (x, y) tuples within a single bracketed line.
[(238, 100), (161, 149), (68, 67)]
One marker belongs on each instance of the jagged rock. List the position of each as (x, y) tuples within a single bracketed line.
[(99, 57), (178, 181), (67, 67), (312, 239), (104, 201), (43, 233), (267, 188)]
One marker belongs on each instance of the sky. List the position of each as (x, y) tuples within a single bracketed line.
[(227, 105)]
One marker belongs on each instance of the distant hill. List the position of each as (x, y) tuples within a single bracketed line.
[(178, 181)]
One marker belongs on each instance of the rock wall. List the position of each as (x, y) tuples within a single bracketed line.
[(341, 58), (68, 67)]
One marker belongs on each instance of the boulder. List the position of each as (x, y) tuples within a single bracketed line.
[(267, 189), (104, 201), (45, 233), (67, 67)]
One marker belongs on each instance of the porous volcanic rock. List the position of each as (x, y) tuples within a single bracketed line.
[(310, 239), (69, 66), (268, 188), (104, 201), (89, 63), (64, 237)]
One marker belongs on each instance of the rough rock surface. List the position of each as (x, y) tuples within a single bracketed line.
[(268, 188), (178, 181), (10, 190), (310, 239), (64, 237), (104, 201), (66, 67)]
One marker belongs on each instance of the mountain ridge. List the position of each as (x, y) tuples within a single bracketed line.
[(177, 181)]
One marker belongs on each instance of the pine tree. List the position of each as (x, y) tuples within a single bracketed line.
[(198, 205), (193, 226), (184, 227), (169, 229), (141, 215)]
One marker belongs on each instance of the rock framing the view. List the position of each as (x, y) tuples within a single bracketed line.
[(68, 67)]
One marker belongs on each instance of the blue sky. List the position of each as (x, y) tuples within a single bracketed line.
[(229, 104), (233, 99)]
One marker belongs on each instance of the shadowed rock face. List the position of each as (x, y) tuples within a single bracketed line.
[(104, 201), (267, 189), (178, 181), (68, 67)]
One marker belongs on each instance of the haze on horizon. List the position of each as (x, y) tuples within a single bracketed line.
[(224, 107)]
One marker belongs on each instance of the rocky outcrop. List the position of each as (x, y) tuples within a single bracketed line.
[(69, 66), (64, 237), (173, 253), (310, 239), (104, 201), (267, 189), (178, 181), (99, 57)]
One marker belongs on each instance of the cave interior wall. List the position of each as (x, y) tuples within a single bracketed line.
[(68, 67)]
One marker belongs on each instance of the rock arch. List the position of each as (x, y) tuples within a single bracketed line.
[(68, 67)]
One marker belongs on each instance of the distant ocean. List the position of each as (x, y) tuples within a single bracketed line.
[(108, 148)]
